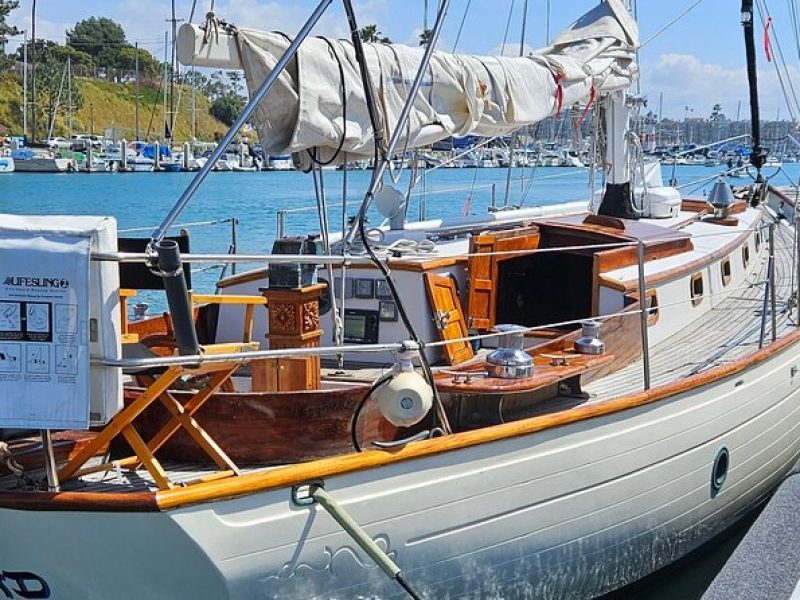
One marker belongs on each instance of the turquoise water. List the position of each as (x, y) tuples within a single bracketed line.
[(142, 199)]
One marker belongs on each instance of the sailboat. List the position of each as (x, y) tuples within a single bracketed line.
[(531, 403)]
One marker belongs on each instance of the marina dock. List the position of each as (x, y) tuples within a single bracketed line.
[(766, 565)]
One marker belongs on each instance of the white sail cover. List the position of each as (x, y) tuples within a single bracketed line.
[(318, 102)]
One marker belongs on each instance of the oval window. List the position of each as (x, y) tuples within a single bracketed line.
[(696, 288)]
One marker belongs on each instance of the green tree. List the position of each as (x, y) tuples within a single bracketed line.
[(6, 30), (227, 108), (372, 35), (125, 60), (76, 57), (96, 36)]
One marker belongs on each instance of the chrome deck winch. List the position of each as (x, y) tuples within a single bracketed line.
[(510, 361), (590, 342)]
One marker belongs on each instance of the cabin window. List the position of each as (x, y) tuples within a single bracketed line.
[(745, 255), (652, 307), (696, 287), (725, 266), (758, 240)]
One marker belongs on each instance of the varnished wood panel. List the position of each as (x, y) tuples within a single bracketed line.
[(448, 316), (268, 428), (483, 270)]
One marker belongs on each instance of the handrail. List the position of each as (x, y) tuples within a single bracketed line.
[(199, 359), (350, 259), (405, 346)]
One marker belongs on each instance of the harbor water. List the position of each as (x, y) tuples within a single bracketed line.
[(140, 200)]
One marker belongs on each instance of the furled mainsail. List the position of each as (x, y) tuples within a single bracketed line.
[(320, 99)]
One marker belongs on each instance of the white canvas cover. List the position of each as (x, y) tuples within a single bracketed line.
[(313, 106)]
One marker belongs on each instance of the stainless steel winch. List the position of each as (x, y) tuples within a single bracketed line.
[(510, 361)]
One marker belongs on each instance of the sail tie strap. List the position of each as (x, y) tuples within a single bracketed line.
[(767, 43), (559, 92), (592, 98)]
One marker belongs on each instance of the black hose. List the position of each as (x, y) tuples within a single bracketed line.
[(357, 412), (375, 116), (405, 585), (312, 153)]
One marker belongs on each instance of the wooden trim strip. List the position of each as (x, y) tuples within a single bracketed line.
[(133, 502), (240, 278), (329, 467)]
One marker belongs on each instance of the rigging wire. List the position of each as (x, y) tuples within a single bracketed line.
[(508, 26), (784, 77), (512, 145), (461, 26), (689, 9), (547, 23)]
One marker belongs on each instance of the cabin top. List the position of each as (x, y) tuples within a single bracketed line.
[(710, 241)]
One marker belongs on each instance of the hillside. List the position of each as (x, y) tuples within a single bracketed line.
[(114, 106)]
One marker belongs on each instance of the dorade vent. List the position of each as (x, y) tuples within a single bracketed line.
[(696, 287), (725, 268), (745, 255)]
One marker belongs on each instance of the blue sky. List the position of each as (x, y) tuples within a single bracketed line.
[(697, 62)]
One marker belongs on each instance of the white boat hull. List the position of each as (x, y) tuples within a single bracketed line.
[(574, 511), (44, 165)]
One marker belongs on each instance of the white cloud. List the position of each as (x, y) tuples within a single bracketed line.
[(687, 81)]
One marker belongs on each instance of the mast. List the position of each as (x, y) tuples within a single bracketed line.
[(33, 71), (69, 94), (173, 70), (136, 67), (194, 107), (166, 133), (618, 195), (25, 83), (756, 156)]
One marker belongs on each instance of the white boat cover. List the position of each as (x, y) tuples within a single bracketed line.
[(311, 106)]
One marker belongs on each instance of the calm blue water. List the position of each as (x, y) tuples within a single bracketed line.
[(142, 200)]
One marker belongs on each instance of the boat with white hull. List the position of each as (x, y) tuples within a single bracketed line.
[(563, 401), (44, 165)]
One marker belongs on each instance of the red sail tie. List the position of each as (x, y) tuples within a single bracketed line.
[(767, 44), (559, 92), (592, 98)]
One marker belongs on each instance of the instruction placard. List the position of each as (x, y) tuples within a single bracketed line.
[(44, 346)]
